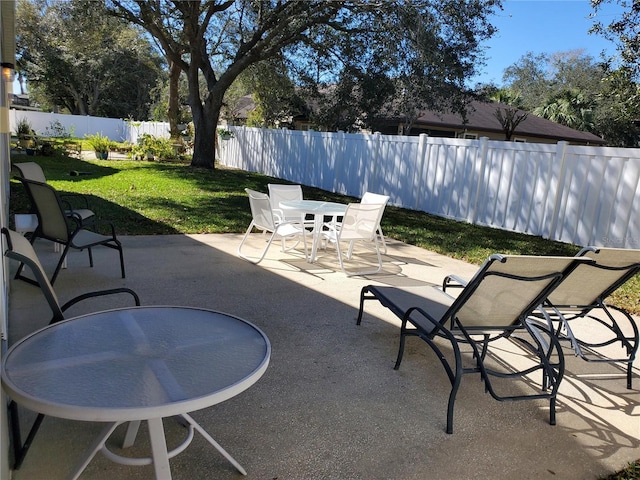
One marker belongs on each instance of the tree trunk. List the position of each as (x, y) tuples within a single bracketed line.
[(173, 111), (205, 122)]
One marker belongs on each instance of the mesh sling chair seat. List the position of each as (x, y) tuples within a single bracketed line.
[(495, 305), (76, 205), (18, 248), (55, 226), (263, 219), (598, 332)]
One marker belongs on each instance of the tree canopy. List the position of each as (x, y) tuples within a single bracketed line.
[(80, 59), (573, 89), (623, 31), (430, 46)]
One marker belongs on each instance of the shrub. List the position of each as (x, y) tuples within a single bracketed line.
[(99, 143), (56, 129), (23, 128), (158, 148)]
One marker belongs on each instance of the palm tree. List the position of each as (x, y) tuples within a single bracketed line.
[(568, 107)]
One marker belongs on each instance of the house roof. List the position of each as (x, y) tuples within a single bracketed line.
[(480, 116)]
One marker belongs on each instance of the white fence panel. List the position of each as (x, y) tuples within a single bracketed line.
[(135, 130), (601, 194), (576, 194), (80, 125), (76, 125)]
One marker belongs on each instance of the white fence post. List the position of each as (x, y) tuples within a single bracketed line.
[(556, 191), (480, 187), (420, 160)]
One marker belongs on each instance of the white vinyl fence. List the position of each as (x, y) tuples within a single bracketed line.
[(574, 194), (78, 125)]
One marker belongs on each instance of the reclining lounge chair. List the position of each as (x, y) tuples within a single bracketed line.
[(593, 327), (496, 304)]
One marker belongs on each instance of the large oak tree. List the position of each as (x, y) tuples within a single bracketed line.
[(216, 40)]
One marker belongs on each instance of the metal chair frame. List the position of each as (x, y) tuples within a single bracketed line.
[(56, 226), (496, 304)]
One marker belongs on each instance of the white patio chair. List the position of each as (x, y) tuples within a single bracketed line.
[(285, 193), (376, 198), (359, 224), (263, 219)]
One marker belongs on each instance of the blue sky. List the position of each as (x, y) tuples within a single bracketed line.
[(542, 26)]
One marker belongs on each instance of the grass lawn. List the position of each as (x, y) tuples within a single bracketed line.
[(149, 198)]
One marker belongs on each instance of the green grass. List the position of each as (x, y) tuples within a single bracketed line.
[(630, 472), (166, 198), (148, 198)]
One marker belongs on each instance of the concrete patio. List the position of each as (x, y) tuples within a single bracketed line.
[(330, 405)]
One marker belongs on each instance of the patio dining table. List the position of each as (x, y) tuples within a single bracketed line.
[(319, 210), (137, 364)]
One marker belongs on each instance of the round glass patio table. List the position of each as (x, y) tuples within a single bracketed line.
[(136, 364)]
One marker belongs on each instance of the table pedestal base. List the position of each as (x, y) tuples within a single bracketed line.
[(160, 456)]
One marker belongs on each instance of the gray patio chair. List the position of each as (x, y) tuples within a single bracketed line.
[(593, 327), (494, 306), (76, 205), (55, 225), (359, 224), (18, 248), (263, 219)]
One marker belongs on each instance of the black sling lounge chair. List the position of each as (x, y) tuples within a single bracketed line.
[(495, 304)]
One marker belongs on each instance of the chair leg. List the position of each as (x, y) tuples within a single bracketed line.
[(246, 235), (363, 272), (400, 349), (20, 449), (252, 260), (118, 246), (60, 262), (122, 261), (384, 243)]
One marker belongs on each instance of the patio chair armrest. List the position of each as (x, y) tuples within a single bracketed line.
[(101, 293), (278, 215), (100, 225), (75, 218), (76, 197), (453, 281)]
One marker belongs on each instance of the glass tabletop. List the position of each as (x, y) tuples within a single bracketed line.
[(135, 363), (314, 206)]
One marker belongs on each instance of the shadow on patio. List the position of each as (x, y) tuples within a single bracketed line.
[(330, 405)]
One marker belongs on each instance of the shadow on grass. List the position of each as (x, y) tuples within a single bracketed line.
[(60, 167)]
